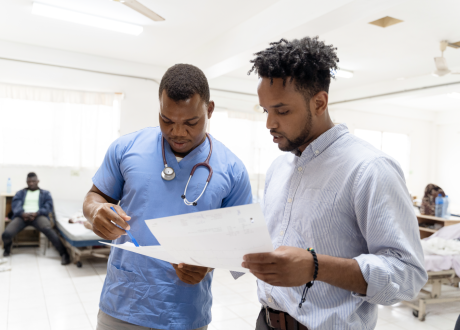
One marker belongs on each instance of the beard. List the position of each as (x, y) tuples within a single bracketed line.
[(300, 140)]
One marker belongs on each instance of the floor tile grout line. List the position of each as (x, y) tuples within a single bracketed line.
[(79, 298), (9, 291), (41, 284)]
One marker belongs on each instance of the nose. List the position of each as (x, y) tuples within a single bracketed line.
[(272, 123), (178, 131)]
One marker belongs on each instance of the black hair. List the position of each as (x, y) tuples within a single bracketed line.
[(31, 175), (309, 62), (182, 81)]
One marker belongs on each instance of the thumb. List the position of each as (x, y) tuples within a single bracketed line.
[(122, 213)]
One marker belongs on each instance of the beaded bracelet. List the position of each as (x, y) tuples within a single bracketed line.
[(315, 275)]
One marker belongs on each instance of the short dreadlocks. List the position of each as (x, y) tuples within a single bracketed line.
[(308, 61)]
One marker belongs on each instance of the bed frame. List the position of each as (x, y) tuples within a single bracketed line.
[(436, 279), (84, 249)]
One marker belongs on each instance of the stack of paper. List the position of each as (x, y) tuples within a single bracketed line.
[(216, 238)]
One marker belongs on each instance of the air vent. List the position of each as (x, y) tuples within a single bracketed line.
[(386, 21)]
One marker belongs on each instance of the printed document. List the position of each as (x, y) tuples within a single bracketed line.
[(216, 238)]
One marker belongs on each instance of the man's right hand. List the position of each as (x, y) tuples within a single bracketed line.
[(101, 219), (27, 217)]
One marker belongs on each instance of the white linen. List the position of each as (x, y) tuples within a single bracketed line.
[(435, 263), (64, 210), (441, 246)]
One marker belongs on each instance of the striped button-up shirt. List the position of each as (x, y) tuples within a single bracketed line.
[(345, 199)]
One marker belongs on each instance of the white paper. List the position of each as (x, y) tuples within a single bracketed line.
[(216, 238), (154, 251)]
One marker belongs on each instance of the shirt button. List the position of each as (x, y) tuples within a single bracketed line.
[(316, 152), (300, 169), (290, 200), (270, 300), (282, 233)]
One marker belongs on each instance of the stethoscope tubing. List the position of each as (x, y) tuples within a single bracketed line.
[(205, 164)]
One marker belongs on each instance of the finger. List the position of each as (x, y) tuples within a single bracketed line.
[(108, 213), (267, 278), (262, 268), (193, 268), (261, 258), (107, 228), (187, 278), (122, 213), (98, 233)]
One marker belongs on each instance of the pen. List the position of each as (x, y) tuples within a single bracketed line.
[(127, 231)]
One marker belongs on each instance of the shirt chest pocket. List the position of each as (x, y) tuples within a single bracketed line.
[(311, 214)]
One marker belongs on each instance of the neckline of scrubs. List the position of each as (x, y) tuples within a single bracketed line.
[(191, 157)]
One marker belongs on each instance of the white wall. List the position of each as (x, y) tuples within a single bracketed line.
[(447, 155), (139, 108), (421, 133)]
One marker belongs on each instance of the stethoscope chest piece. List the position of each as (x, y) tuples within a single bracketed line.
[(168, 174)]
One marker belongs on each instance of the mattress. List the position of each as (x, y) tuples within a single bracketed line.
[(64, 210), (435, 263)]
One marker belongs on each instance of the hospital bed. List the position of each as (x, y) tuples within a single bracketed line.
[(79, 241), (442, 270)]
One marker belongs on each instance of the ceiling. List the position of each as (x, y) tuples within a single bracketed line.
[(221, 36)]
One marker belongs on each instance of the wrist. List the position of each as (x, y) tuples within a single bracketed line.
[(310, 265)]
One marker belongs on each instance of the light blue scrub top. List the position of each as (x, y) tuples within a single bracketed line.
[(146, 291)]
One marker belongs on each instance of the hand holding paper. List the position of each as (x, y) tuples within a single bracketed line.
[(215, 239)]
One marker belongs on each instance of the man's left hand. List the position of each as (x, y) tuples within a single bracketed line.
[(191, 274), (286, 266), (33, 216)]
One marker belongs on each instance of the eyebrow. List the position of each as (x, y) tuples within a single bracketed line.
[(163, 116), (279, 105)]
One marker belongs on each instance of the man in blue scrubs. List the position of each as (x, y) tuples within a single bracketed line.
[(146, 293)]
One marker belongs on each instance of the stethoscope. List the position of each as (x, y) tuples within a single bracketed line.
[(168, 172)]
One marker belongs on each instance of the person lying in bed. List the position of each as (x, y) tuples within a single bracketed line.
[(31, 206)]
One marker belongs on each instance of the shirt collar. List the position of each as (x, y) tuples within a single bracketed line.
[(315, 148)]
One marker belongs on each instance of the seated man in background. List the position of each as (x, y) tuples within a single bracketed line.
[(31, 207)]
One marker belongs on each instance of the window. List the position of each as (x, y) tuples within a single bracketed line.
[(63, 133), (395, 145), (247, 137)]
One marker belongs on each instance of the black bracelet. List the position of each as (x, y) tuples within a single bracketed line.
[(315, 275)]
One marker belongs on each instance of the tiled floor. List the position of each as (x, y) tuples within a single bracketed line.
[(40, 294)]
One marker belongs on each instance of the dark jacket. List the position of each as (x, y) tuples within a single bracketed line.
[(45, 203)]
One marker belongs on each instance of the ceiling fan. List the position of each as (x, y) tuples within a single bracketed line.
[(440, 62), (140, 8)]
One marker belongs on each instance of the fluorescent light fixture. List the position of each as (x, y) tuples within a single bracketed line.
[(454, 95), (343, 73), (85, 19)]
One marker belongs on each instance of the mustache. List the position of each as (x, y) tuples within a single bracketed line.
[(272, 131)]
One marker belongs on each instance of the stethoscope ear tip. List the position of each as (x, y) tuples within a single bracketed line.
[(195, 203), (183, 196)]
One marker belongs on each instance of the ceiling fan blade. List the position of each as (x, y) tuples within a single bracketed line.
[(140, 8)]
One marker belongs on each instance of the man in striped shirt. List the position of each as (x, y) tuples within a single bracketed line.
[(334, 193)]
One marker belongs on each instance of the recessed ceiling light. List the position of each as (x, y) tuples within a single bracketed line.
[(454, 95), (85, 19), (343, 73), (386, 21)]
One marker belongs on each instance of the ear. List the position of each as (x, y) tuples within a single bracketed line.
[(211, 106), (320, 102)]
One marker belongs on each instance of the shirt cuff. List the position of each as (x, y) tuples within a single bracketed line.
[(380, 289)]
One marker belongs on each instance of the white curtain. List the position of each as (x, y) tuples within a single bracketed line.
[(51, 127), (246, 135)]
